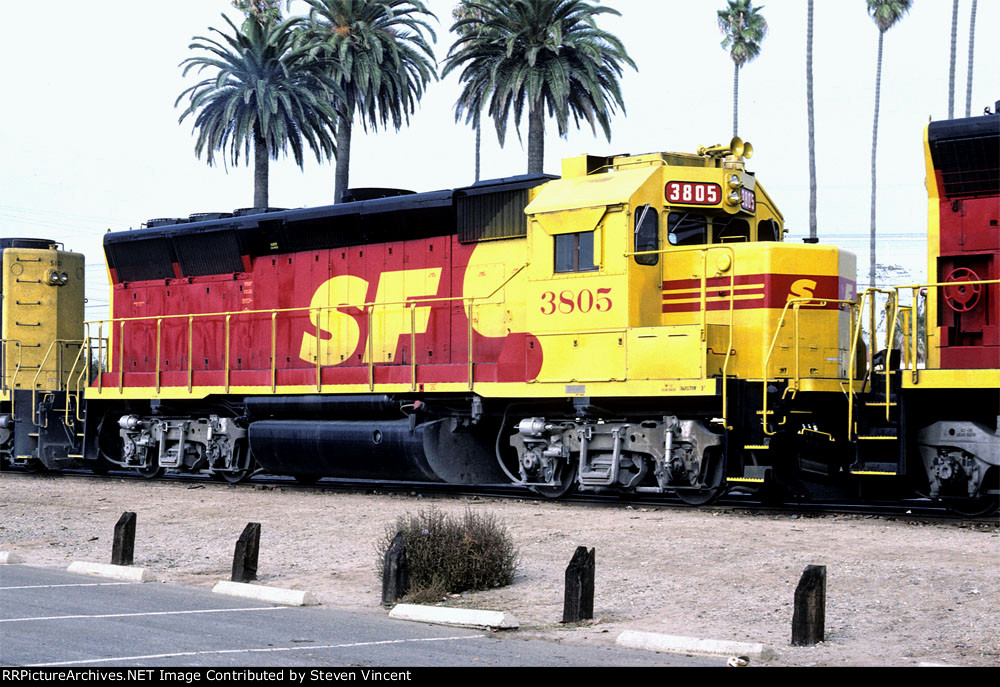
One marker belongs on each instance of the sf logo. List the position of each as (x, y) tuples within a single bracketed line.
[(339, 306)]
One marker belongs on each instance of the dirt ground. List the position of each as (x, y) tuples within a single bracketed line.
[(898, 592)]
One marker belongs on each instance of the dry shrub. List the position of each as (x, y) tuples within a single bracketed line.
[(450, 554)]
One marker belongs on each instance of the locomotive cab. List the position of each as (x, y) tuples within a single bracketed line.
[(638, 261), (660, 283)]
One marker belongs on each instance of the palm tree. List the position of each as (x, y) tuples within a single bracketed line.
[(261, 11), (972, 54), (543, 55), (262, 90), (951, 68), (813, 229), (384, 64), (885, 14), (744, 28), (474, 105)]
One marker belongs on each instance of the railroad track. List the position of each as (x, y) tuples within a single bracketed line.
[(915, 509)]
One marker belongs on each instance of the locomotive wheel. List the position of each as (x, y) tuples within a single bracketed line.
[(715, 485), (151, 471), (35, 466), (240, 475), (976, 508), (567, 483)]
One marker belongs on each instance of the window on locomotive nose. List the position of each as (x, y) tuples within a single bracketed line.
[(686, 228), (575, 252), (729, 229), (647, 235)]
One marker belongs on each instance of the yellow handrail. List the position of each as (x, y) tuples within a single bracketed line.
[(703, 304), (4, 385), (796, 304), (77, 393), (368, 308), (911, 328), (59, 345), (17, 368)]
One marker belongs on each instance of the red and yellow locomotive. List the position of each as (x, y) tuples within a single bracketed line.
[(636, 325)]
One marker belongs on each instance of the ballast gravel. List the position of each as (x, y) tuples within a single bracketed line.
[(900, 592)]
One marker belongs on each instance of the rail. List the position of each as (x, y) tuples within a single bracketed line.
[(315, 314)]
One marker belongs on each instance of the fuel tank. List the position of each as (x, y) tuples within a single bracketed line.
[(439, 451), (337, 448)]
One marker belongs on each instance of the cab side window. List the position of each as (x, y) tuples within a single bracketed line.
[(768, 230), (575, 252), (647, 235)]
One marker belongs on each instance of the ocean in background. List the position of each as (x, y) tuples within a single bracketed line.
[(902, 258)]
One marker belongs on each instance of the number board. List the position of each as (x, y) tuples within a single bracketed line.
[(693, 193), (748, 200)]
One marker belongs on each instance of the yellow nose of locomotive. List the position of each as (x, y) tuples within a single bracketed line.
[(42, 313)]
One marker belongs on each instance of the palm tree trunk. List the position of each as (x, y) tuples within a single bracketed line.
[(479, 142), (536, 138), (813, 230), (343, 159), (878, 92), (261, 160), (951, 69), (972, 53), (736, 97)]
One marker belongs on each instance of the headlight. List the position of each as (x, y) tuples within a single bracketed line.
[(734, 182)]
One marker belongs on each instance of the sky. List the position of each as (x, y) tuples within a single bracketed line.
[(90, 140)]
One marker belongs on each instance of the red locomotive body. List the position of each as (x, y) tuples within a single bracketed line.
[(429, 271), (965, 243)]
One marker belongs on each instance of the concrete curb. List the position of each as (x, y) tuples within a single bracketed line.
[(118, 572), (691, 645), (284, 597), (463, 617), (9, 558)]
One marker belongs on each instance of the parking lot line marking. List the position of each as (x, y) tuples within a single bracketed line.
[(147, 613), (221, 652), (78, 584)]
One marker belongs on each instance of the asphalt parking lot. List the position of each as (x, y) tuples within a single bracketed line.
[(51, 618)]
